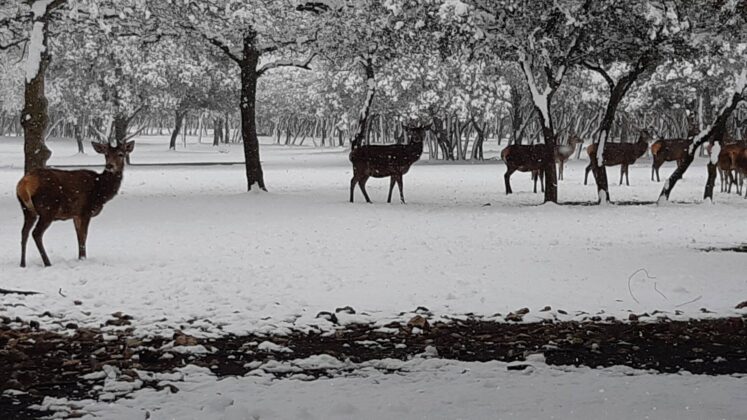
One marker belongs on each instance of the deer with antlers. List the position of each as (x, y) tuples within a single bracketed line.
[(47, 195), (392, 161)]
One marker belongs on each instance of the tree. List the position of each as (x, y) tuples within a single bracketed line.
[(257, 36), (720, 30), (543, 38), (628, 41)]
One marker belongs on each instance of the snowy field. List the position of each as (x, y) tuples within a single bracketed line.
[(185, 243)]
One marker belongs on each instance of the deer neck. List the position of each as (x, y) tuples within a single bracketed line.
[(106, 186)]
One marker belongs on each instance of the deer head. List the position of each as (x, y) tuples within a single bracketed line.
[(115, 155)]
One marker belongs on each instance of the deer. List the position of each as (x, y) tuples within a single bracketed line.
[(47, 195), (563, 152), (740, 167), (668, 150), (624, 154), (381, 161), (727, 165), (524, 158)]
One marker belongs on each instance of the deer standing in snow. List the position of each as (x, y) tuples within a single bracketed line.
[(668, 150), (624, 154), (47, 195), (391, 161)]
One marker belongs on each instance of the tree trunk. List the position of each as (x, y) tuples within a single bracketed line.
[(254, 174), (178, 119), (710, 183), (365, 113), (35, 116), (217, 131), (597, 162), (78, 134)]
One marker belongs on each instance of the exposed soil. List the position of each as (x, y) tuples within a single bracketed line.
[(43, 363)]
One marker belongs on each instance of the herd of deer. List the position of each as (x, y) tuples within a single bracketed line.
[(47, 195)]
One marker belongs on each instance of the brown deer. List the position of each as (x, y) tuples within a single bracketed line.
[(740, 167), (524, 158), (727, 165), (391, 161), (47, 195), (624, 154), (563, 152), (668, 150)]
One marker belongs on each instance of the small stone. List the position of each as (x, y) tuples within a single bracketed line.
[(523, 311), (346, 309), (77, 303), (633, 317), (133, 342), (741, 305), (181, 339), (418, 322), (422, 310), (34, 325), (71, 326), (517, 366), (545, 309), (562, 312), (328, 316), (515, 317)]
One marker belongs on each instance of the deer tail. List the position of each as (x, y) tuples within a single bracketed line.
[(26, 189)]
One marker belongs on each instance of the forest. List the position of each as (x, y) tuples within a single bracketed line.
[(506, 71)]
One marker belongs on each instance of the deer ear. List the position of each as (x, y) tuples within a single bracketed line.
[(129, 146), (99, 147)]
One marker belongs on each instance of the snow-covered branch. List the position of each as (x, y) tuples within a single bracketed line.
[(304, 64)]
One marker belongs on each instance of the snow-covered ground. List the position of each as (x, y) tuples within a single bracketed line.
[(185, 243), (435, 389)]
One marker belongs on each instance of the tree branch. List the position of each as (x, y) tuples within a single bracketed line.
[(286, 63)]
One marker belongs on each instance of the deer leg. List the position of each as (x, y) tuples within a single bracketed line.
[(535, 175), (81, 230), (507, 179), (542, 179), (586, 174), (560, 170), (38, 233), (353, 181), (362, 184), (401, 193), (29, 218), (391, 187), (627, 175), (622, 172)]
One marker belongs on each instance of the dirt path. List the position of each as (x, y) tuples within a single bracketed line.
[(42, 363)]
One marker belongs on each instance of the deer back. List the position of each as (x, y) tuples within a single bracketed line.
[(62, 195), (524, 157)]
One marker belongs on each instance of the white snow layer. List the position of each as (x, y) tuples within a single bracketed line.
[(436, 389), (183, 243)]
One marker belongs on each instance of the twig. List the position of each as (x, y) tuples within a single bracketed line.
[(630, 289), (60, 292), (657, 291), (690, 301), (17, 292)]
